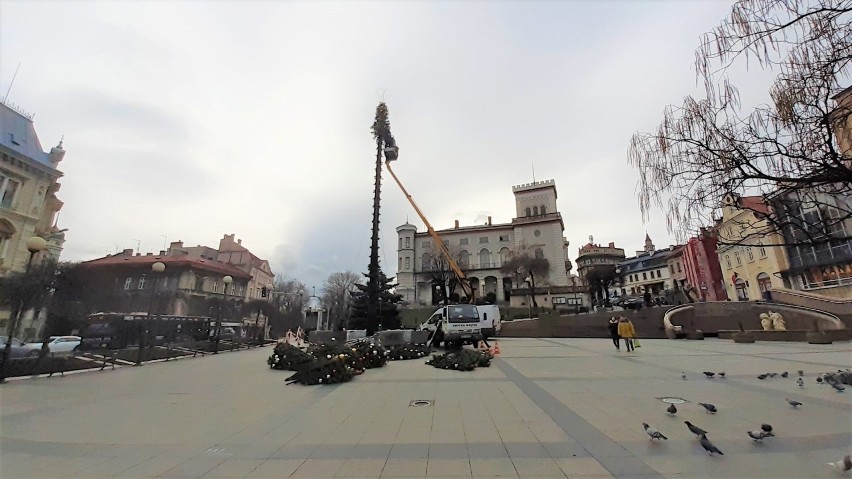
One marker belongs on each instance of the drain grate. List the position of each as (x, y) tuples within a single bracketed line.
[(421, 403), (673, 400)]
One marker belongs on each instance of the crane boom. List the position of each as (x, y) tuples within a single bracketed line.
[(459, 274)]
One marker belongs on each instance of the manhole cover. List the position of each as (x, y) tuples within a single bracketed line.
[(421, 403), (673, 400)]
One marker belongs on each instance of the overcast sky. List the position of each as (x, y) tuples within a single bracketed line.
[(190, 120)]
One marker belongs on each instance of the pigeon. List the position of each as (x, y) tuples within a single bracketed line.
[(838, 387), (671, 409), (695, 429), (843, 465), (709, 447), (709, 374), (801, 373), (766, 427), (800, 382), (683, 376), (722, 375), (653, 433), (759, 436), (708, 407), (762, 377), (771, 375), (784, 374), (793, 403)]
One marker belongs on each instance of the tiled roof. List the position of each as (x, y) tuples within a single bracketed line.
[(754, 203), (173, 261)]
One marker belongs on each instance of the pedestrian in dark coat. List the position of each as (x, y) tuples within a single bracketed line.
[(613, 332)]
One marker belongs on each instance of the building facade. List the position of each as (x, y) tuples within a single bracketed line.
[(28, 202), (596, 262), (677, 271), (704, 280), (482, 250), (232, 251), (28, 186), (750, 251), (816, 231), (126, 283), (648, 271)]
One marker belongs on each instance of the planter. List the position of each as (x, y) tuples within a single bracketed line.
[(817, 337), (742, 337), (697, 335)]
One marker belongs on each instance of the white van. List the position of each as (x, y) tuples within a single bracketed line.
[(489, 320), (454, 325)]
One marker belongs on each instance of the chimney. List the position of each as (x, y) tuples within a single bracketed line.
[(457, 224), (138, 254), (611, 244), (162, 252), (149, 254), (239, 241), (176, 244), (127, 252), (489, 221)]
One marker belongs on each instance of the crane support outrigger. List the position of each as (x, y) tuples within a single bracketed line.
[(391, 154)]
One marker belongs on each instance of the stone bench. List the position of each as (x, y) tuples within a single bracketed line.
[(795, 335)]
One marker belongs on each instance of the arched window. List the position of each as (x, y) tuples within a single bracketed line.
[(543, 211), (504, 256), (528, 211), (764, 282), (464, 259), (484, 258), (535, 210), (426, 262)]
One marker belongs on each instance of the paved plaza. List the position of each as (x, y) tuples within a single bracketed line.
[(545, 408)]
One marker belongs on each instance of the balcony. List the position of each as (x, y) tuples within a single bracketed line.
[(536, 219), (464, 267)]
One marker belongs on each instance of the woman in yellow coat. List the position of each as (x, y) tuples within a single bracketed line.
[(626, 331)]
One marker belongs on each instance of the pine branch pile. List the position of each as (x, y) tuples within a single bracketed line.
[(289, 357), (324, 371), (408, 351), (462, 360)]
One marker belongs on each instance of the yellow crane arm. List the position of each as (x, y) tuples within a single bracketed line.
[(463, 281)]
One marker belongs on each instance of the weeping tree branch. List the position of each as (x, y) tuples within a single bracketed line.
[(709, 147)]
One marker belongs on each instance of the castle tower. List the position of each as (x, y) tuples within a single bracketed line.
[(405, 261), (649, 245)]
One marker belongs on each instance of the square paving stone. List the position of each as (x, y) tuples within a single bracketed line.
[(448, 468), (354, 467), (494, 467), (276, 468), (321, 468), (537, 467), (234, 468), (404, 468)]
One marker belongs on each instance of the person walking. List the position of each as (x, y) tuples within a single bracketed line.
[(613, 332), (627, 331)]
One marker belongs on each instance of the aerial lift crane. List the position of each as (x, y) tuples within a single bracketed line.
[(391, 154)]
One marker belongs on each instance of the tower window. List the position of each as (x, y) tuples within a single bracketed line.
[(528, 212), (535, 210), (408, 242), (542, 210)]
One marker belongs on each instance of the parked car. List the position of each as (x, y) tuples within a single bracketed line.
[(20, 349), (60, 344)]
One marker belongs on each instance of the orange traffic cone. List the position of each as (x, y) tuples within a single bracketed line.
[(481, 346), (495, 351)]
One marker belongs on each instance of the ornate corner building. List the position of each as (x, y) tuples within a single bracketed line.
[(28, 186), (481, 251)]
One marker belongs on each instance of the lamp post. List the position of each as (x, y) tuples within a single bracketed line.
[(157, 267), (227, 280), (34, 245), (528, 280)]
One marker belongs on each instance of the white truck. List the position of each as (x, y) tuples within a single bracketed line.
[(454, 325), (489, 320)]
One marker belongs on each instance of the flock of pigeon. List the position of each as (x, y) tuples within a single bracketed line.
[(836, 380)]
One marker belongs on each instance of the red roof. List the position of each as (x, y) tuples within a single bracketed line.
[(754, 203), (173, 261)]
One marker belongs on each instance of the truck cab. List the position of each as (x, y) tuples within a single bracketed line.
[(454, 325)]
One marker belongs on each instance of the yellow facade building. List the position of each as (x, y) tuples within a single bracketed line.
[(750, 251)]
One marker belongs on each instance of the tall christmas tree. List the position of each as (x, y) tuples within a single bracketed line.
[(386, 316)]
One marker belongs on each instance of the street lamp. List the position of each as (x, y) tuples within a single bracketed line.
[(528, 280), (227, 280), (157, 267), (34, 245)]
